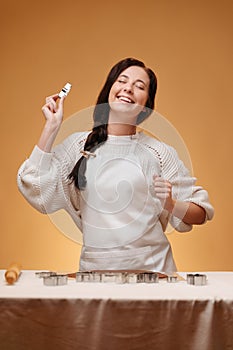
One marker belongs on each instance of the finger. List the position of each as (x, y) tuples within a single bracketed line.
[(51, 107), (162, 190), (160, 184), (156, 177), (46, 110), (162, 195), (49, 99), (51, 104), (61, 100), (48, 107), (60, 104), (53, 97), (160, 180)]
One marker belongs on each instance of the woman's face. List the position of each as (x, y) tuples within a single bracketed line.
[(129, 93)]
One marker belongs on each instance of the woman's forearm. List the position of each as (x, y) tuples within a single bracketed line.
[(47, 137), (190, 213)]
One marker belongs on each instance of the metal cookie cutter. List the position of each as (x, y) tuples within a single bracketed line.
[(141, 277), (172, 279), (114, 277), (88, 276), (196, 279), (55, 280), (131, 278), (151, 277), (96, 277), (42, 274)]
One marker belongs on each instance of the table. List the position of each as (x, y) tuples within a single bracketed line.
[(106, 316)]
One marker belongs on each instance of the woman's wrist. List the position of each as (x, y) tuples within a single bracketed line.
[(52, 126), (169, 205)]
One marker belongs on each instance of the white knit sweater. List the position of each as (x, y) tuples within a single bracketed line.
[(121, 219)]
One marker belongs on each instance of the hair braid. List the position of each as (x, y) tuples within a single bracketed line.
[(94, 140)]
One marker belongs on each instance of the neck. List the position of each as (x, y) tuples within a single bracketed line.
[(121, 129), (121, 123)]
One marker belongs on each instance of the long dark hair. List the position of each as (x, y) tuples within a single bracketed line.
[(99, 133)]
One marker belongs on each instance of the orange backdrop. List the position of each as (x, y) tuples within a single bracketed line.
[(47, 43)]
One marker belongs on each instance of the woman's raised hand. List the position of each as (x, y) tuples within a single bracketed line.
[(53, 110)]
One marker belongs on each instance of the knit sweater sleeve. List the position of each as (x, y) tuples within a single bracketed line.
[(184, 187), (43, 177)]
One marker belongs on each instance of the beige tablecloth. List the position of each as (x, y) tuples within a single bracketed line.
[(98, 316)]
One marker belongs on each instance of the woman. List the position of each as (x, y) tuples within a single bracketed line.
[(120, 186)]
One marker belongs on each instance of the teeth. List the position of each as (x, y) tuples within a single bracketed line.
[(125, 99)]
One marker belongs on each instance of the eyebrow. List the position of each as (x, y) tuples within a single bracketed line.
[(138, 80)]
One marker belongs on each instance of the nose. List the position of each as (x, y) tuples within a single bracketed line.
[(128, 88)]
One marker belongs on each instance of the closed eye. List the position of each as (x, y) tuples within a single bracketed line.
[(141, 87)]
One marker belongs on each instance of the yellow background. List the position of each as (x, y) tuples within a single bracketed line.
[(188, 44)]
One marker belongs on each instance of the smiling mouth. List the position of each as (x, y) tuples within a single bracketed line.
[(125, 99)]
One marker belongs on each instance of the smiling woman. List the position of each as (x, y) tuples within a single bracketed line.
[(127, 98), (121, 187)]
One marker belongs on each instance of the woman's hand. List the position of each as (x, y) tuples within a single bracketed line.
[(53, 111), (163, 190), (188, 212)]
